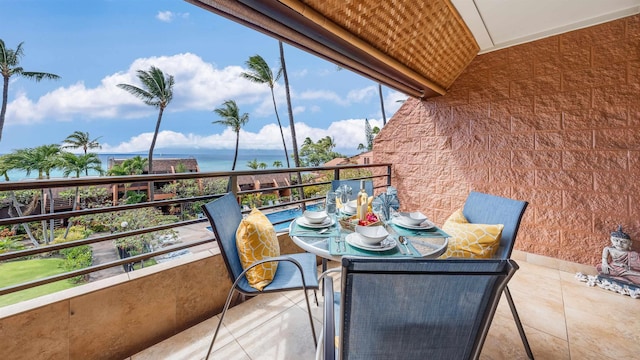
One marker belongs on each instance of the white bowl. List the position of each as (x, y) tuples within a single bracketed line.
[(413, 218), (372, 235), (315, 217)]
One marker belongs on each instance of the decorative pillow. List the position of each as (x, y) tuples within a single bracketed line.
[(256, 239), (471, 240)]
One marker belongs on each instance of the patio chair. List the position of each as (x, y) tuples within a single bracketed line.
[(411, 309), (355, 186), (483, 208), (294, 272)]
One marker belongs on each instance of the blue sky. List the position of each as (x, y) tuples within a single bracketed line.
[(95, 45)]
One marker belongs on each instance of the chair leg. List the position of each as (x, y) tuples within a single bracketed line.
[(525, 342), (224, 311), (313, 329)]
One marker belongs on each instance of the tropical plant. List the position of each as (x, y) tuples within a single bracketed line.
[(132, 166), (261, 73), (231, 117), (157, 91), (7, 163), (10, 66), (43, 159), (316, 154), (82, 140), (76, 164), (253, 164), (277, 164)]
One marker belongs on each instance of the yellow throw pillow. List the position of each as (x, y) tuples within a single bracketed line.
[(471, 240), (256, 239)]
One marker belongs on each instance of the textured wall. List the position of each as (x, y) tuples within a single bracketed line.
[(554, 122)]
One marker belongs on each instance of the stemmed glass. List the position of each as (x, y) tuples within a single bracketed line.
[(331, 209)]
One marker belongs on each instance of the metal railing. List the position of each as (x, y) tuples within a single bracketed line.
[(381, 173)]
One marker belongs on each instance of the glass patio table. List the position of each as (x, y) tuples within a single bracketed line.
[(333, 243)]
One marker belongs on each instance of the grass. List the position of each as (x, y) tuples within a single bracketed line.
[(16, 272)]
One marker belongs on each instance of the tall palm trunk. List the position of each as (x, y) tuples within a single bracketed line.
[(75, 204), (153, 145), (384, 117), (26, 227), (5, 97), (292, 125), (51, 210), (275, 108)]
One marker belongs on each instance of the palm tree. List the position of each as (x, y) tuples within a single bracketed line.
[(253, 164), (262, 165), (76, 164), (82, 140), (277, 164), (6, 165), (43, 159), (261, 73), (157, 92), (231, 117), (9, 66)]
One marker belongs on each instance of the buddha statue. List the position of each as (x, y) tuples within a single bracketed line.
[(618, 261)]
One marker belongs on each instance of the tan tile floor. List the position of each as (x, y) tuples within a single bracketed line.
[(563, 319)]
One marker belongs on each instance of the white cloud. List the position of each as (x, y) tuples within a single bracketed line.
[(347, 134), (165, 16), (360, 95), (198, 86), (393, 101)]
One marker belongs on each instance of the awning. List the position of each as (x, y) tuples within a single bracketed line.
[(416, 47)]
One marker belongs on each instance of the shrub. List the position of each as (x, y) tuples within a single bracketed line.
[(78, 257)]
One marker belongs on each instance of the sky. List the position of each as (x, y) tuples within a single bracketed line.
[(95, 45)]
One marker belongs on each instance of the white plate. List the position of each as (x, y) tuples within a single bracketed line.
[(347, 212), (424, 226), (326, 223), (354, 240)]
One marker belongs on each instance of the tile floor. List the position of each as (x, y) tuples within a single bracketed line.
[(563, 319)]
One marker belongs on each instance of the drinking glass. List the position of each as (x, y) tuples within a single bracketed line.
[(330, 203)]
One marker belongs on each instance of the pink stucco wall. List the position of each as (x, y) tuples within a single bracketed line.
[(555, 122)]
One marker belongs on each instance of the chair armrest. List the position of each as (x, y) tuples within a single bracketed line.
[(328, 330), (271, 259)]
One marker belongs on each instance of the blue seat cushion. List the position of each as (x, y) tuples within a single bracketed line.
[(288, 276)]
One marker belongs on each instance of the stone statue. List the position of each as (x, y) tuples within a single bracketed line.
[(618, 261)]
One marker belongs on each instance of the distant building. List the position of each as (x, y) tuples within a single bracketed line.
[(364, 158), (160, 166)]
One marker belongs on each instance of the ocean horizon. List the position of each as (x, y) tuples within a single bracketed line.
[(215, 160)]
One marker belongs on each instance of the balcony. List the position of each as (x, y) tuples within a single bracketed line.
[(169, 310), (563, 319)]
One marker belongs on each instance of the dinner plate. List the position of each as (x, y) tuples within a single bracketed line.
[(426, 225), (354, 240), (326, 223), (348, 212)]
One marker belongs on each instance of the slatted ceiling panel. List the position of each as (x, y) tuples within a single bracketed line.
[(418, 47), (427, 36)]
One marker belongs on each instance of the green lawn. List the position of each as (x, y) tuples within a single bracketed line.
[(15, 272)]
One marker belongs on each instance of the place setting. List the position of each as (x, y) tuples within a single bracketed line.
[(371, 241), (415, 223), (314, 224)]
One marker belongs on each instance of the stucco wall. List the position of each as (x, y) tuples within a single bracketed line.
[(554, 122)]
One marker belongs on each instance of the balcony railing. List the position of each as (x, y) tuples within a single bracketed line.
[(380, 173)]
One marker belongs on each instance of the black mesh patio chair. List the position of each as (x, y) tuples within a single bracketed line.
[(483, 208), (295, 271), (411, 309)]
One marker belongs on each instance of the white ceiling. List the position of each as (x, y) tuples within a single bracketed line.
[(498, 24)]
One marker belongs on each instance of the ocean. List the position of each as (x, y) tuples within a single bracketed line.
[(214, 160)]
